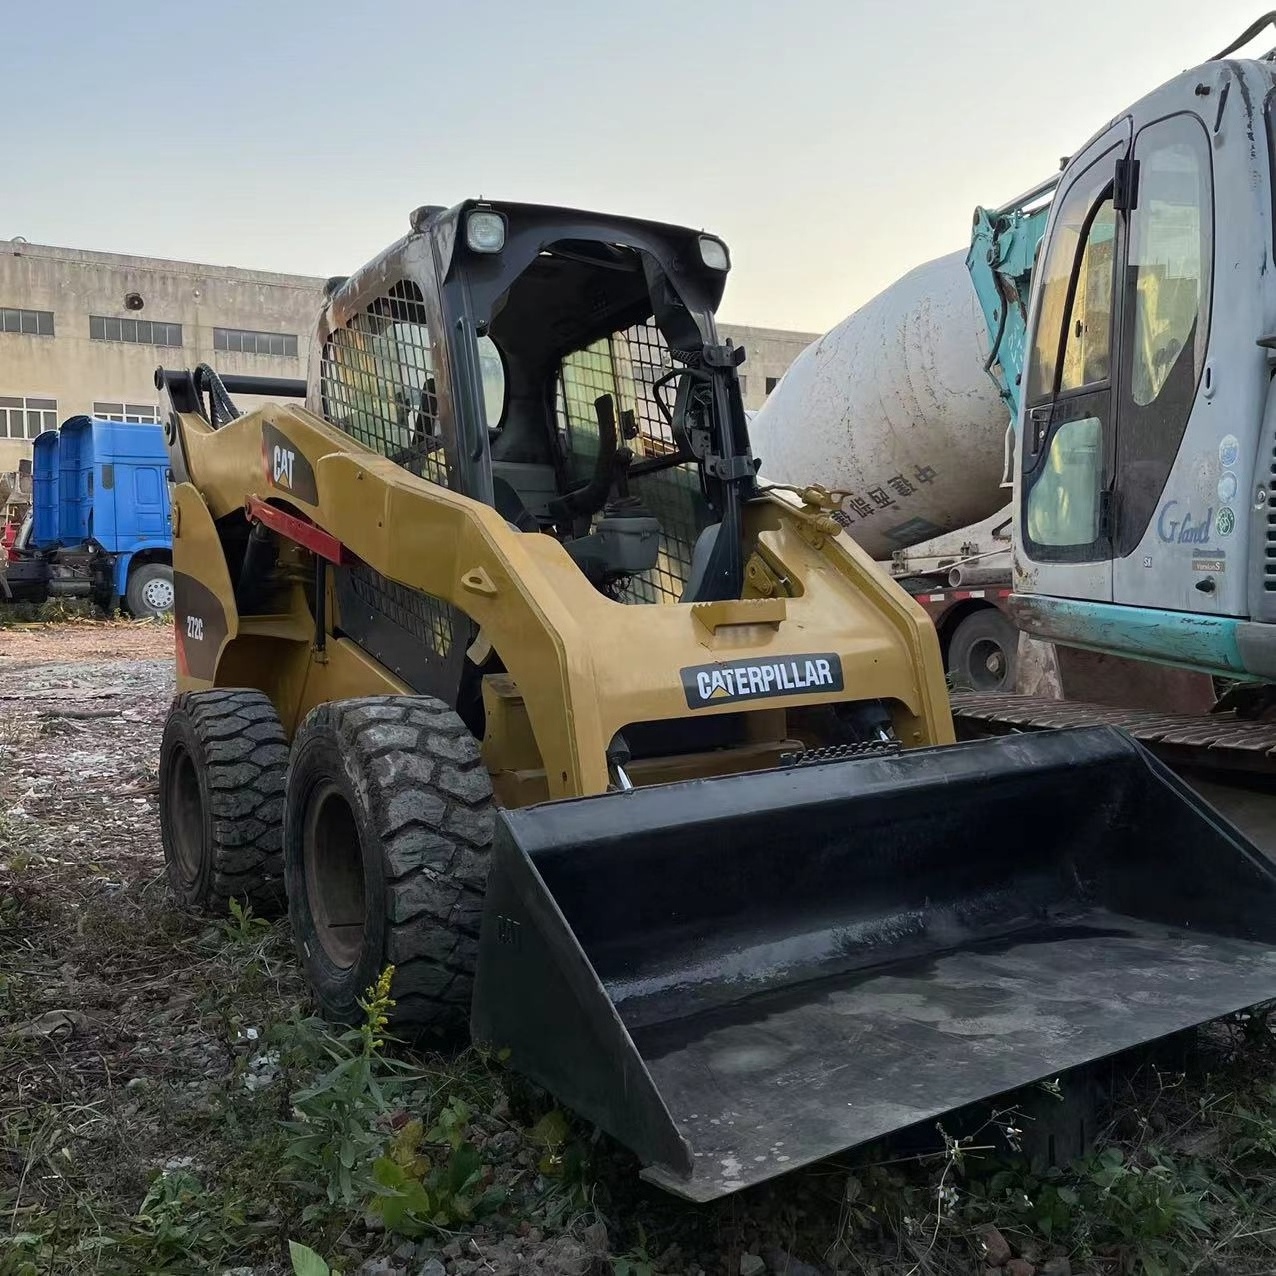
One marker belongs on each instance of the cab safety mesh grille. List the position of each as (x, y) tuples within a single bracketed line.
[(627, 366), (378, 382)]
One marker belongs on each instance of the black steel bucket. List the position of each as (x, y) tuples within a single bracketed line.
[(740, 975)]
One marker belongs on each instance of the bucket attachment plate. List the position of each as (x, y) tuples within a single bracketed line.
[(741, 975)]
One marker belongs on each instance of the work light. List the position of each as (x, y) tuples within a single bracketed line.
[(485, 231), (713, 252)]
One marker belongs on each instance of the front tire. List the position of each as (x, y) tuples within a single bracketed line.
[(386, 839), (223, 763)]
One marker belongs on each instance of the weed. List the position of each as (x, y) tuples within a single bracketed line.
[(418, 1190), (179, 1217), (338, 1132), (635, 1261), (351, 1131), (305, 1262), (242, 927), (61, 611)]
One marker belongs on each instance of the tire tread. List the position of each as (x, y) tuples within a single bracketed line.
[(246, 759), (421, 774)]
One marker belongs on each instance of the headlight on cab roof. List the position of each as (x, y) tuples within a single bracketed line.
[(485, 231), (713, 252)]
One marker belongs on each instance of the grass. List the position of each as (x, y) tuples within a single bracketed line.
[(220, 1121), (168, 1103)]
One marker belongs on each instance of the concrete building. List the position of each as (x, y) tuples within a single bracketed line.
[(770, 351), (82, 332)]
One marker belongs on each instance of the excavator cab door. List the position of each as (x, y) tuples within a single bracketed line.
[(1182, 473), (1068, 439)]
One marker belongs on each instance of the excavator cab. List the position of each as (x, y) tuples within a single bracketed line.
[(1144, 364), (498, 663)]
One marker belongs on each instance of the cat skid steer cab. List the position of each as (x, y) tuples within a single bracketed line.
[(497, 666)]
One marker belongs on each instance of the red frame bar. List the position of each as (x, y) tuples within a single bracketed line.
[(298, 530)]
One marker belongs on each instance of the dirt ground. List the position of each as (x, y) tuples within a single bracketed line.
[(168, 1104), (85, 640), (149, 1060)]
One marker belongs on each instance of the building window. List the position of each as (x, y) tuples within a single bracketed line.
[(25, 418), (140, 332), (143, 413), (239, 340), (744, 384), (771, 383), (36, 323)]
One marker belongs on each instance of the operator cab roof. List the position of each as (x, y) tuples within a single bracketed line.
[(690, 257)]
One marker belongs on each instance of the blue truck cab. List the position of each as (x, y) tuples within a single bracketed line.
[(100, 525)]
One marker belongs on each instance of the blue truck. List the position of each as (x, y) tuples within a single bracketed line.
[(99, 526)]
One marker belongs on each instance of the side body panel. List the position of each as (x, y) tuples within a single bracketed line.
[(585, 667)]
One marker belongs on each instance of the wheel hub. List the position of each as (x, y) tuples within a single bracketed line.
[(988, 664), (158, 595), (334, 875), (187, 807)]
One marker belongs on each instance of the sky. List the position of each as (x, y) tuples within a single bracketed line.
[(834, 144)]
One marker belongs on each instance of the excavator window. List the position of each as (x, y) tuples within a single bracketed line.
[(1070, 371), (1168, 272), (1088, 338), (1166, 315), (1080, 249)]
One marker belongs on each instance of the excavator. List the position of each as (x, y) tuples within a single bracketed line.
[(499, 666), (1112, 369)]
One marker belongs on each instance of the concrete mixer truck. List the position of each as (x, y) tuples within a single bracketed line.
[(1123, 320)]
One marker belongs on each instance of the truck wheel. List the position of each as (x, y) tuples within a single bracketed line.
[(982, 652), (387, 831), (150, 590), (223, 764)]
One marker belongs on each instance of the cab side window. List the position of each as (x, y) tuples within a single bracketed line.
[(1080, 249), (1166, 313), (1070, 371), (378, 381), (1088, 340), (1168, 276)]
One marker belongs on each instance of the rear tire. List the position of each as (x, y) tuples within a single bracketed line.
[(982, 653), (223, 762), (386, 840), (149, 591)]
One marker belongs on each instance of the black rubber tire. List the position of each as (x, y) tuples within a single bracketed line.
[(388, 799), (223, 765), (135, 596), (981, 636)]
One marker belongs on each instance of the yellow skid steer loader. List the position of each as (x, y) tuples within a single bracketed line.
[(496, 663)]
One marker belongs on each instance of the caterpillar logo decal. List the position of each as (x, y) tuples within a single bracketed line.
[(736, 680), (286, 468)]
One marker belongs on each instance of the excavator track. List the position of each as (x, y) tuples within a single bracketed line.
[(1218, 742)]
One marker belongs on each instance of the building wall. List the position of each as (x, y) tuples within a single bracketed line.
[(769, 352), (76, 372)]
